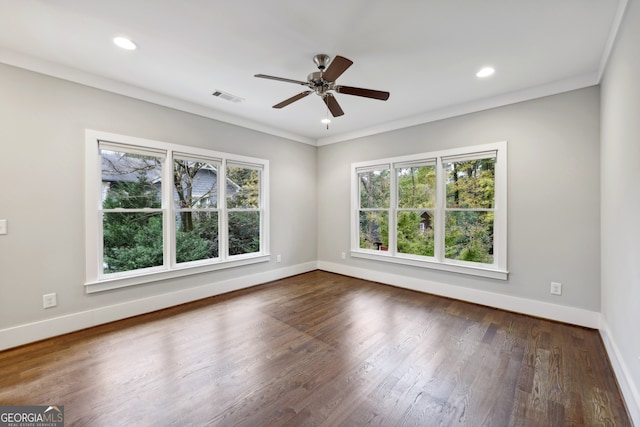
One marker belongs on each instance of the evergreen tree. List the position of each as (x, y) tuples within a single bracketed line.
[(244, 226), (132, 240)]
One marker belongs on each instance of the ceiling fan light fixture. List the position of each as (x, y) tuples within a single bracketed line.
[(325, 121), (124, 43), (485, 72)]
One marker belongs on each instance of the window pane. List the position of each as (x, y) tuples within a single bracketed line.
[(195, 184), (196, 236), (415, 233), (470, 184), (130, 181), (132, 240), (374, 230), (244, 232), (374, 189), (243, 188), (469, 236), (417, 187)]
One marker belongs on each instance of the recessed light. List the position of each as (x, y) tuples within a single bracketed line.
[(485, 72), (124, 43)]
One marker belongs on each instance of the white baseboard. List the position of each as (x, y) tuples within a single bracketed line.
[(36, 331), (561, 313), (628, 388)]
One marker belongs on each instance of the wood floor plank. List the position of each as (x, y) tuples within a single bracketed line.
[(321, 349)]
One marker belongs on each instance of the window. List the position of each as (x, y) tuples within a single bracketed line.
[(243, 209), (469, 208), (374, 207), (416, 204), (158, 210), (195, 200), (444, 210), (132, 215)]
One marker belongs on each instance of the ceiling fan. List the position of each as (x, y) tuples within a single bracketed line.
[(323, 83)]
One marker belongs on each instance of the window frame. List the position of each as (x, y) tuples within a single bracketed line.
[(96, 280), (379, 209), (162, 210), (396, 167), (497, 270), (176, 211), (227, 210)]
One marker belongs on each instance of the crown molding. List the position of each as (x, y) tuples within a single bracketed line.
[(552, 88), (63, 72)]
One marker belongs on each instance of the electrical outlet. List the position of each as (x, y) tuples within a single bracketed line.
[(556, 288), (344, 255), (3, 226), (278, 258), (49, 300)]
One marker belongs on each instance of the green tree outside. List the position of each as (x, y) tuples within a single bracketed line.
[(470, 195), (416, 204), (196, 220), (469, 217), (375, 196), (132, 240), (244, 210)]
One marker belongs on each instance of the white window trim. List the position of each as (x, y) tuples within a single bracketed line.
[(95, 281), (497, 270)]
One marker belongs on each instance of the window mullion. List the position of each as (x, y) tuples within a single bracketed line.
[(264, 216), (168, 212), (500, 210), (393, 211), (438, 232), (223, 217)]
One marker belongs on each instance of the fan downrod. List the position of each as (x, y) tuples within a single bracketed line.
[(322, 61)]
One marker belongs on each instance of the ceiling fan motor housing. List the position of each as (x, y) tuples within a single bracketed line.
[(318, 84)]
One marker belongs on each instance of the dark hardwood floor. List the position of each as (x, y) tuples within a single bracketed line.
[(321, 349)]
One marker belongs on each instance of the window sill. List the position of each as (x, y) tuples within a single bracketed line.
[(454, 268), (121, 282)]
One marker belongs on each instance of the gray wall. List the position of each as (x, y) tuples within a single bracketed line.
[(43, 120), (553, 194), (621, 199), (553, 191)]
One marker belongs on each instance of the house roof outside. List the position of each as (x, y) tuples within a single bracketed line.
[(120, 167)]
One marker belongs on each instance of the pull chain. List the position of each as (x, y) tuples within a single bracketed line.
[(327, 120)]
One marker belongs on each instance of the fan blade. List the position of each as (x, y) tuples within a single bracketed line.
[(333, 105), (292, 99), (367, 93), (338, 66), (281, 79)]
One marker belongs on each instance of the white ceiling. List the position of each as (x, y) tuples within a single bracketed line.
[(426, 53)]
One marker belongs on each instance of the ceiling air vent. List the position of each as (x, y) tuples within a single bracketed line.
[(227, 96)]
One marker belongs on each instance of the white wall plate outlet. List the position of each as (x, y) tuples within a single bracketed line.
[(49, 300), (556, 288)]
